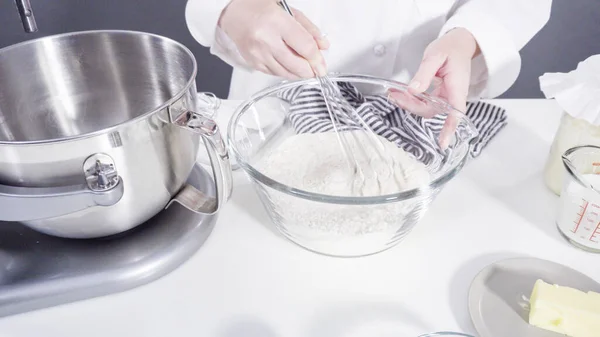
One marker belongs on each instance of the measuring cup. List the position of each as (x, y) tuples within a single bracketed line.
[(579, 213)]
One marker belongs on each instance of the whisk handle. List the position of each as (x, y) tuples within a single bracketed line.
[(286, 7)]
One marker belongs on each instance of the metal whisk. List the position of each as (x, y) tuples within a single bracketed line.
[(335, 101)]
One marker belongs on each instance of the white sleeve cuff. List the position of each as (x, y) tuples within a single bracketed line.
[(499, 64), (225, 49), (202, 19)]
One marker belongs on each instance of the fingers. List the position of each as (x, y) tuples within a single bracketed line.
[(456, 85), (274, 57), (274, 42), (274, 67), (454, 71), (312, 29), (448, 130), (427, 72), (278, 59), (305, 45), (291, 61), (436, 86), (456, 90), (412, 103)]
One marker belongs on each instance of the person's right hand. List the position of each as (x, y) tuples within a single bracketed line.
[(272, 41)]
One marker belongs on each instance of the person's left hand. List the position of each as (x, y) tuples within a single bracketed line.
[(447, 65)]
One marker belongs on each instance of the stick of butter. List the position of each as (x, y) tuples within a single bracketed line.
[(565, 310), (594, 296)]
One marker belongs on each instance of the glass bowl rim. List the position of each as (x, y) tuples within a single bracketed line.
[(343, 200)]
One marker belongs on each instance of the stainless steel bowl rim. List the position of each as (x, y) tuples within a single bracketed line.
[(110, 129), (340, 200)]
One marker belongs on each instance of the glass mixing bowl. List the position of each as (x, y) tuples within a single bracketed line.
[(345, 226)]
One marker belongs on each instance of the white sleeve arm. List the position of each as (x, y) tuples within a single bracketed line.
[(502, 28), (202, 18)]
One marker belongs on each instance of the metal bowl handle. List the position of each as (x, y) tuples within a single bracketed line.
[(207, 128), (103, 187)]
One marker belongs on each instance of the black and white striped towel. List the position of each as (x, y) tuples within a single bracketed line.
[(412, 133)]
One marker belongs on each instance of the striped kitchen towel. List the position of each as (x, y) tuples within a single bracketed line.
[(415, 134)]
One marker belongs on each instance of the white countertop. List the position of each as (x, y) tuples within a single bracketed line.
[(247, 281)]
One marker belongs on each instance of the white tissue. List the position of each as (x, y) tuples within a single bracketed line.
[(577, 92)]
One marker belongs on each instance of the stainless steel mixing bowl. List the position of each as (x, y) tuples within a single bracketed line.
[(341, 225), (98, 132)]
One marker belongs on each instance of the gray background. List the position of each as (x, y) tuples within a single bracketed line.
[(572, 34)]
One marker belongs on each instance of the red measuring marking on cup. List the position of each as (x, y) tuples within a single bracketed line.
[(586, 221), (595, 234), (582, 209)]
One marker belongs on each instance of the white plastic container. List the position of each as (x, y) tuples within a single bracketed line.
[(576, 93)]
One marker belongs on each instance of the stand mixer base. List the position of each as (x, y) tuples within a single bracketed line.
[(39, 271)]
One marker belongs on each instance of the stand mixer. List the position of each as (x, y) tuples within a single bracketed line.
[(39, 270)]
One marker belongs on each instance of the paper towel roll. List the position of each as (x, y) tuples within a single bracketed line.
[(578, 91)]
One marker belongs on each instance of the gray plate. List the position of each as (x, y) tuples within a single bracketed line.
[(496, 296)]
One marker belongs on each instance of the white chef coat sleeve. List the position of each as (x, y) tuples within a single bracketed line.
[(502, 28), (202, 18)]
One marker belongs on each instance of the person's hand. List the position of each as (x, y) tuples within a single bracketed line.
[(272, 41), (446, 66)]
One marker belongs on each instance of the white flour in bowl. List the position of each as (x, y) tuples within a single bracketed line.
[(316, 163)]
